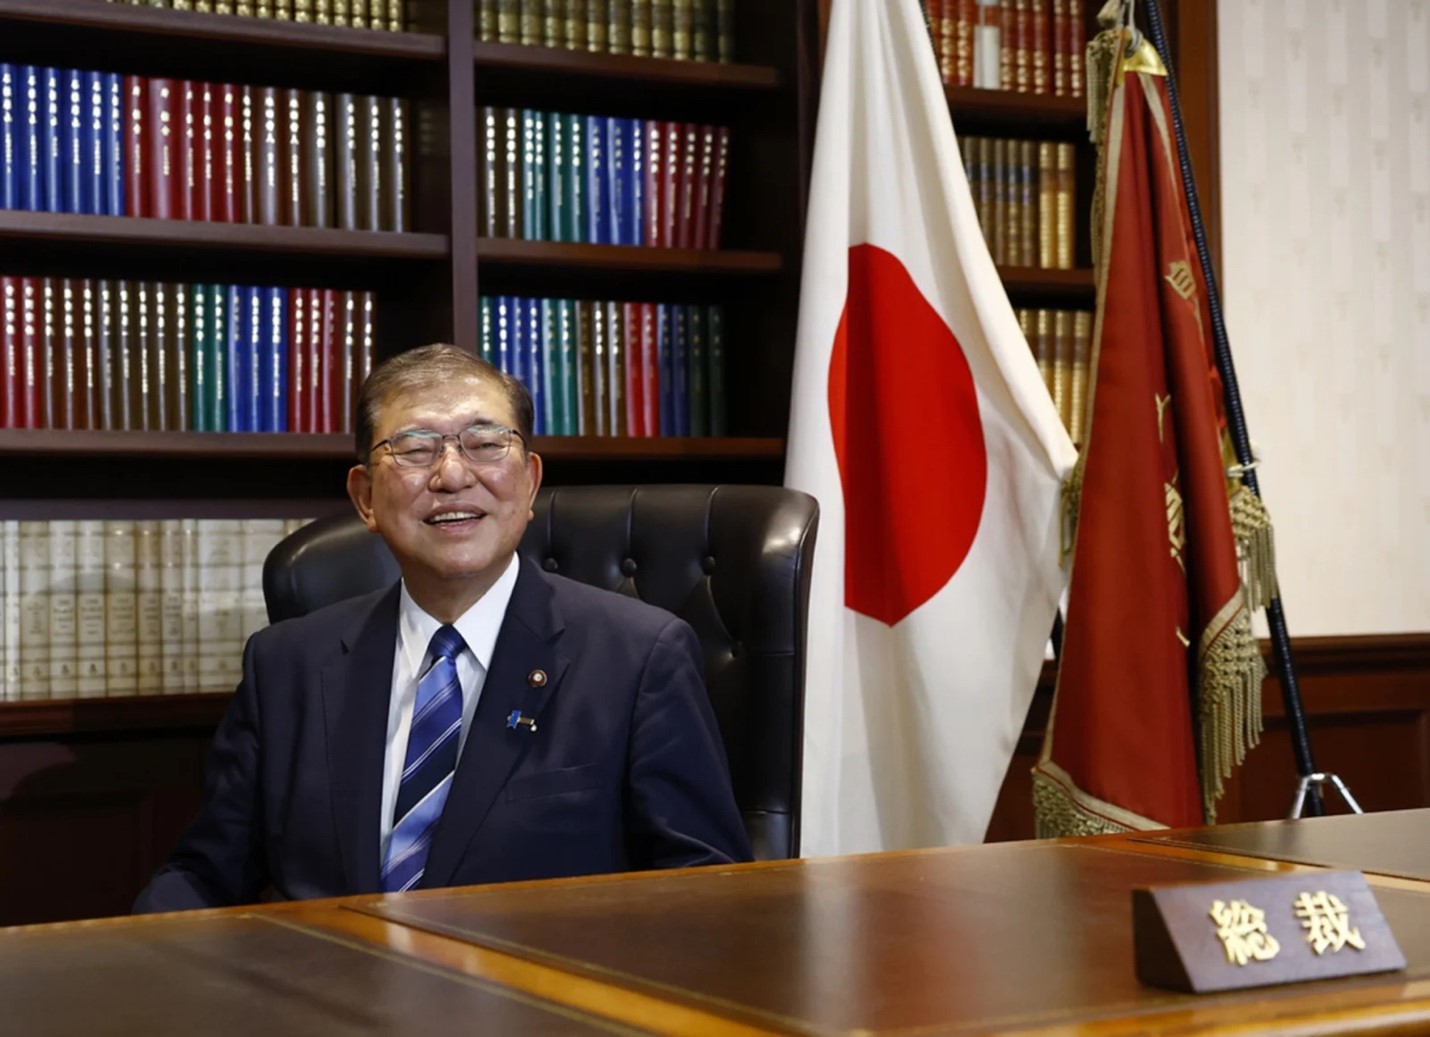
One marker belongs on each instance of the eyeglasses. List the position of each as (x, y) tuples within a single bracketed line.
[(421, 448)]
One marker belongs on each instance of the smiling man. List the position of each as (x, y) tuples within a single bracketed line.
[(481, 720)]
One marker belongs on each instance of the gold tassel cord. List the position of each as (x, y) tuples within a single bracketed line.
[(1229, 675), (1255, 546)]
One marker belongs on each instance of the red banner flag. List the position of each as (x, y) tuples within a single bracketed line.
[(1159, 678)]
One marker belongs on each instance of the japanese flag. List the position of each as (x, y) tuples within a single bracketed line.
[(921, 424)]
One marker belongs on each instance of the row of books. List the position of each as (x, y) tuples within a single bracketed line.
[(685, 30), (98, 143), (1061, 341), (359, 14), (547, 176), (603, 368), (85, 353), (1025, 192), (1028, 46), (95, 608)]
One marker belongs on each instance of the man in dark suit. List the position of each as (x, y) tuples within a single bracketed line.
[(481, 721)]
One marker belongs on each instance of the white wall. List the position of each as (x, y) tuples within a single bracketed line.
[(1325, 166)]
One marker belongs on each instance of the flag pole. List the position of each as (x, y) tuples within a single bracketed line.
[(1236, 422)]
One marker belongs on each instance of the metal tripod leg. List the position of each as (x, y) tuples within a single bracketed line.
[(1320, 778)]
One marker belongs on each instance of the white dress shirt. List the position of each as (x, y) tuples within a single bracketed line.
[(479, 627)]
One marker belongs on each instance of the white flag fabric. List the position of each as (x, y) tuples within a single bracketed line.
[(921, 424)]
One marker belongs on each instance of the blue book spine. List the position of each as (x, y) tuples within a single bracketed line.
[(680, 368), (633, 186), (598, 226), (96, 183), (516, 353), (51, 141), (32, 133), (257, 332), (275, 360), (616, 173), (10, 114), (114, 204), (552, 386), (236, 361), (566, 332), (74, 142), (536, 367), (216, 349)]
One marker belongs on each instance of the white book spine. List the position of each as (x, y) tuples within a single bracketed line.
[(148, 609), (171, 591), (64, 619), (12, 609), (220, 605), (89, 607), (259, 537), (34, 610), (189, 562), (121, 632)]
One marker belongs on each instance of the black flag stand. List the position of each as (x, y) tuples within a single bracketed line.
[(1308, 788)]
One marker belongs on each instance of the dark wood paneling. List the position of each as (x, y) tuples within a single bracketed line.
[(1367, 702)]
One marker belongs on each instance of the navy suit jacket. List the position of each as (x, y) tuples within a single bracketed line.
[(624, 770)]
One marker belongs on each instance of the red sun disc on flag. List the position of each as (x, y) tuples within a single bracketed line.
[(908, 438)]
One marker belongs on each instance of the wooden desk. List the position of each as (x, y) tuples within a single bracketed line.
[(1021, 937)]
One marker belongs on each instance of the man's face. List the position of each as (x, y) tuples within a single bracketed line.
[(452, 527)]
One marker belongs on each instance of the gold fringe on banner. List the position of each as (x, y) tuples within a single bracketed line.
[(1061, 808), (1229, 675), (1255, 546), (1071, 501)]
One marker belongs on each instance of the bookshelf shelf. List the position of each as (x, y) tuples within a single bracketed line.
[(197, 446), (191, 236), (510, 64), (661, 448), (516, 252), (44, 718), (981, 110), (1035, 285)]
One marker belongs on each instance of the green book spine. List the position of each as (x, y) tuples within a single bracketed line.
[(484, 328), (600, 367), (511, 190), (616, 361), (176, 357), (553, 376), (590, 422), (715, 367), (531, 201), (200, 417), (557, 224), (699, 366), (216, 349), (575, 186)]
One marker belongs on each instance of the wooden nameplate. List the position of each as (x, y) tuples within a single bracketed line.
[(1201, 937)]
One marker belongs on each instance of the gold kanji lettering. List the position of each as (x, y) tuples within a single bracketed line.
[(1327, 922), (1241, 928)]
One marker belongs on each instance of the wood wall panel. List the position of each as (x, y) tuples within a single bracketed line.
[(1367, 703)]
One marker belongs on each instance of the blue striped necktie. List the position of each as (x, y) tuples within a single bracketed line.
[(427, 769)]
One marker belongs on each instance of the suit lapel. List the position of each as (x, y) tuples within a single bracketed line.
[(357, 688), (493, 750)]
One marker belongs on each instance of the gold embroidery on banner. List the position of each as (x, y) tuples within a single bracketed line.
[(1241, 928), (1179, 276), (1176, 522), (1326, 920), (1186, 642), (1163, 402)]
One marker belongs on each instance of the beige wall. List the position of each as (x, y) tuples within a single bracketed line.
[(1325, 163)]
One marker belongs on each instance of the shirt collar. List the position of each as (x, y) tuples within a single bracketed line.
[(479, 625)]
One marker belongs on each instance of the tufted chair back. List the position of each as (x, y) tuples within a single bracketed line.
[(732, 561)]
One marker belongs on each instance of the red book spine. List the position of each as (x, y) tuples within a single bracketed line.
[(672, 182), (29, 361), (635, 370), (298, 360), (312, 394), (654, 177), (227, 162), (9, 348), (247, 110), (162, 132), (192, 200), (210, 164), (685, 218), (334, 369), (700, 213), (1042, 20), (136, 178), (651, 376), (717, 184)]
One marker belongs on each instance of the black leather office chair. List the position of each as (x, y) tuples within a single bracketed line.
[(732, 561)]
